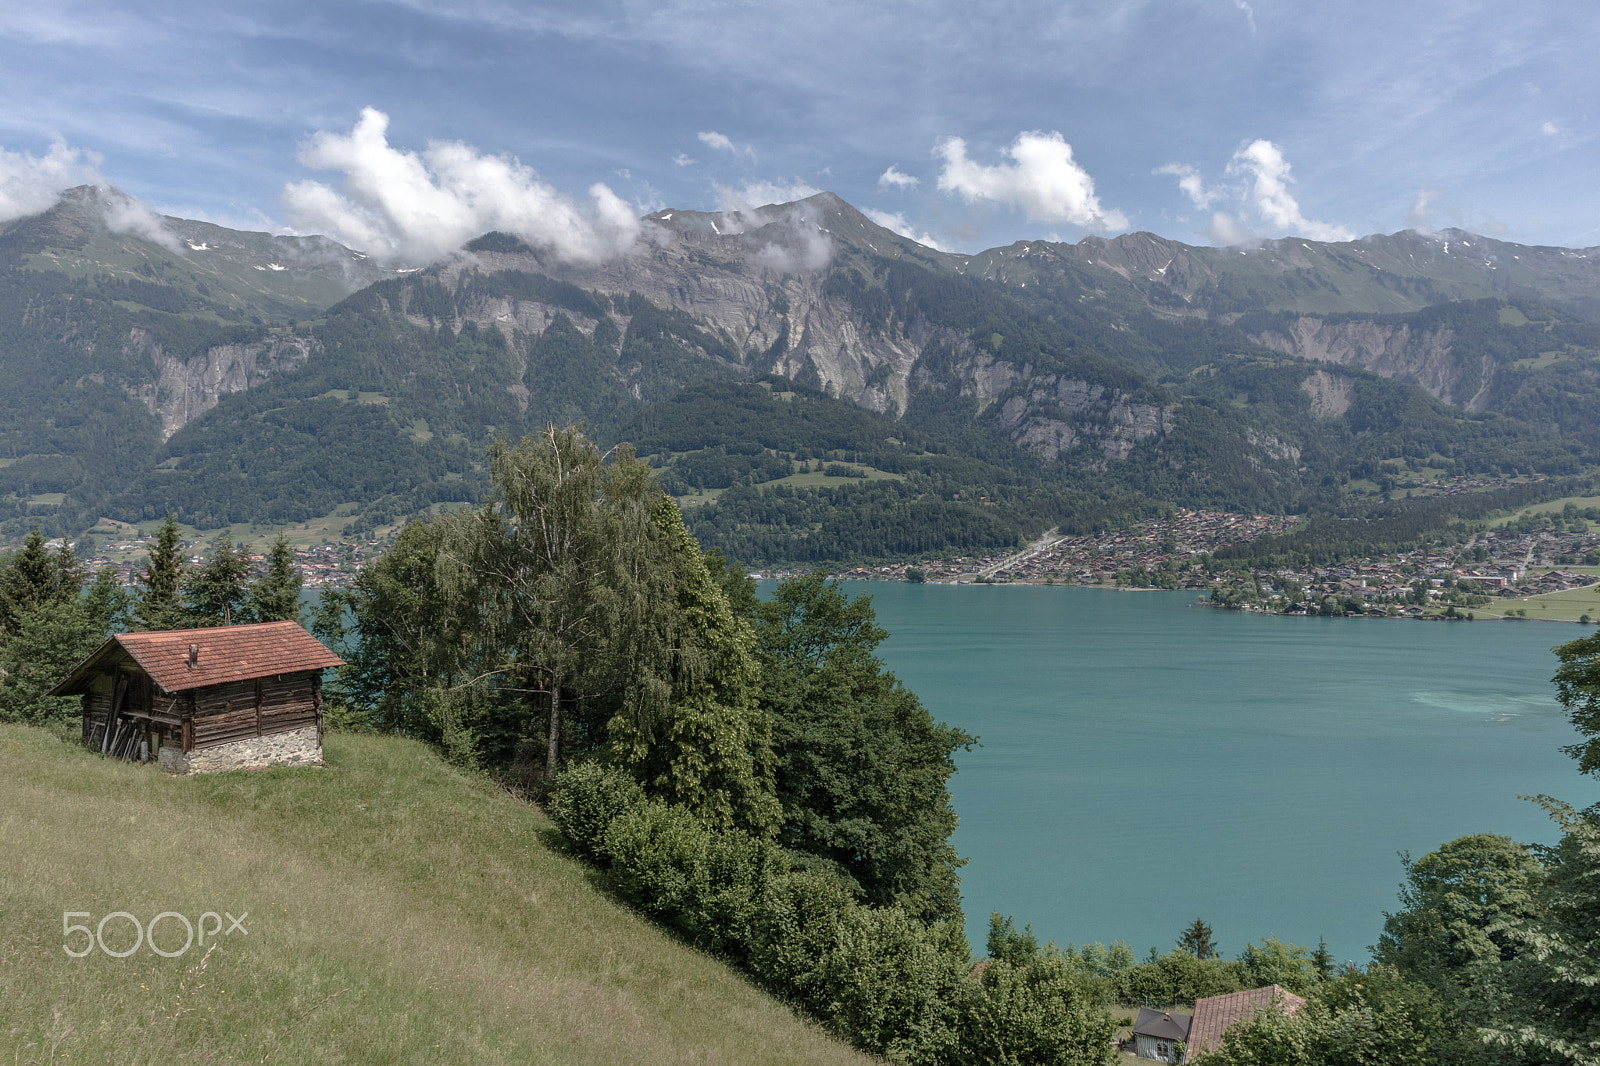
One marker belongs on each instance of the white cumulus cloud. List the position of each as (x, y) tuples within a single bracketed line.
[(30, 184), (1549, 129), (1042, 179), (898, 179), (396, 204), (1260, 203), (1267, 181), (897, 222)]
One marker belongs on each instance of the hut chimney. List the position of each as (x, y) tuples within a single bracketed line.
[(194, 656)]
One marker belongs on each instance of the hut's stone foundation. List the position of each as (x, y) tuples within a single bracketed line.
[(297, 747)]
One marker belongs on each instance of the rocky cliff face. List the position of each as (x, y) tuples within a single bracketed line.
[(760, 280), (1418, 357), (756, 278), (185, 389), (1048, 415)]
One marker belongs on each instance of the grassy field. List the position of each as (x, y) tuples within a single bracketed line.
[(1566, 606), (811, 479), (399, 912), (1548, 507)]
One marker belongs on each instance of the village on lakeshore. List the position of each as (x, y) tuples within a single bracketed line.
[(1491, 573), (1546, 558)]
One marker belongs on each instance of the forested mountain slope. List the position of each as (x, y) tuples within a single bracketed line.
[(990, 396)]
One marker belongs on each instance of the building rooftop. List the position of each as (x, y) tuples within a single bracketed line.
[(183, 659)]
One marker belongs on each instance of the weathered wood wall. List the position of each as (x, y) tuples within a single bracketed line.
[(221, 713), (240, 709), (96, 709)]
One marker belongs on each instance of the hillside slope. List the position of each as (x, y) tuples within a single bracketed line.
[(398, 913)]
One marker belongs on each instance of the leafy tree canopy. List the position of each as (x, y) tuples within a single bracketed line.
[(862, 766), (1578, 688)]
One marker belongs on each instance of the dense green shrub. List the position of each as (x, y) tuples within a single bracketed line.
[(588, 797), (1034, 1010), (879, 976), (709, 885), (1176, 977)]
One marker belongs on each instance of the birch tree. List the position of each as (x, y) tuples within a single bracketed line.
[(537, 562)]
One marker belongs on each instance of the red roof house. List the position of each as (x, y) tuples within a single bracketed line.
[(220, 698)]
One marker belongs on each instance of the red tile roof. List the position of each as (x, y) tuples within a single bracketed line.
[(1214, 1014), (224, 653)]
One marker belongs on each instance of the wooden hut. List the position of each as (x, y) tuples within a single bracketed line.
[(200, 700)]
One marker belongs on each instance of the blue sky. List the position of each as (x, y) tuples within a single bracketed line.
[(400, 125)]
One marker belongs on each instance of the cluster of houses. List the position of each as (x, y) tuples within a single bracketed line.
[(333, 565), (1504, 562)]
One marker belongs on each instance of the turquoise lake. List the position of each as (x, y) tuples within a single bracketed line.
[(1145, 762)]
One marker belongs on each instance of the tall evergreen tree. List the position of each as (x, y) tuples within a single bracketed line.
[(709, 747), (218, 593), (1578, 688), (108, 603), (34, 576), (275, 595), (53, 627), (1196, 940), (159, 585)]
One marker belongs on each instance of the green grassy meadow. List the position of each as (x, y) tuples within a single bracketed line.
[(1567, 606), (1547, 507), (399, 911)]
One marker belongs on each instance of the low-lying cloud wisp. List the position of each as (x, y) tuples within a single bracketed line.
[(30, 184), (1042, 179), (898, 223), (792, 239), (397, 204)]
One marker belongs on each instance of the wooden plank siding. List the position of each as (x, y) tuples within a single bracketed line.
[(96, 709), (240, 709)]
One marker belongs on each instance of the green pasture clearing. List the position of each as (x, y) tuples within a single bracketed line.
[(47, 499), (398, 912), (815, 479), (354, 396), (1552, 607), (1543, 360), (1548, 507)]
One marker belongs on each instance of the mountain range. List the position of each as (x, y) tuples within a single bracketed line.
[(820, 387)]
